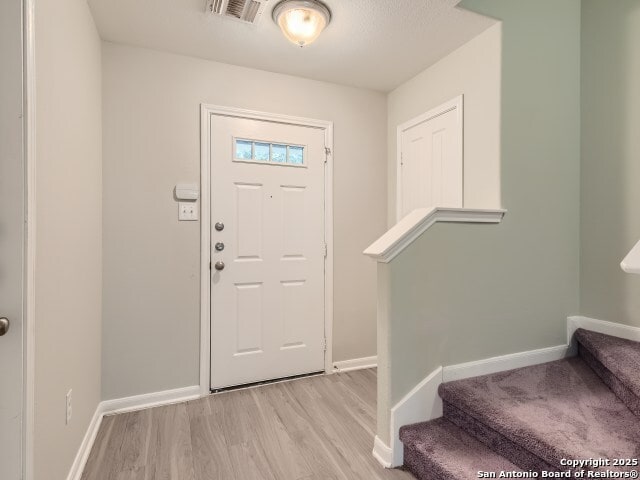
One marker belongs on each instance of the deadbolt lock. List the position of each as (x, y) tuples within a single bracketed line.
[(219, 226)]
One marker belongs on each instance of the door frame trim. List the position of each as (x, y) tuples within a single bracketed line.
[(206, 111), (456, 103), (28, 317)]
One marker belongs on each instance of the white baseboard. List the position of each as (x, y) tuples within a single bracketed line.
[(419, 405), (382, 452), (355, 364), (122, 405), (75, 473), (504, 362), (148, 400), (543, 355), (602, 326)]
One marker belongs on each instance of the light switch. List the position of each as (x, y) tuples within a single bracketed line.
[(187, 211)]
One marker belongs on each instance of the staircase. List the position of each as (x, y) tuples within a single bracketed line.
[(535, 418)]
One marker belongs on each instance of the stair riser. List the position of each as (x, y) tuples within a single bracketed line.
[(622, 392), (421, 467), (497, 442)]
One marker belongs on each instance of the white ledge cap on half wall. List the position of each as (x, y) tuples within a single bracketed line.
[(403, 233), (631, 263)]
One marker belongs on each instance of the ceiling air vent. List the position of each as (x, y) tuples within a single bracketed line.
[(247, 11)]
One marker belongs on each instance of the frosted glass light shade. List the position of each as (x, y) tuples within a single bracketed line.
[(301, 21)]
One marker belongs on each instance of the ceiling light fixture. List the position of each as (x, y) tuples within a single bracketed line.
[(301, 21)]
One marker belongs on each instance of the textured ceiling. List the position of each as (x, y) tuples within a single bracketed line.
[(375, 44)]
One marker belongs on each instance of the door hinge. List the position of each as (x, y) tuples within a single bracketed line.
[(401, 159), (327, 152), (325, 250), (324, 344)]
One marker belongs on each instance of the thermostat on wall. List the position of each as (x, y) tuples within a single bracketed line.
[(187, 191)]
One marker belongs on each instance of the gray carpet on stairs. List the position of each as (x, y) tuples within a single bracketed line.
[(555, 410), (496, 441), (439, 450), (533, 417), (616, 361)]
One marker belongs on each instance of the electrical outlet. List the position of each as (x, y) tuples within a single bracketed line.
[(187, 211), (69, 406)]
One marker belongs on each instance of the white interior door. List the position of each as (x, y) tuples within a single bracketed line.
[(11, 239), (431, 161), (267, 303)]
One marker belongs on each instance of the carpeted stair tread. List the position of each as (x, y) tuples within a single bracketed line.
[(555, 410), (616, 360), (439, 450)]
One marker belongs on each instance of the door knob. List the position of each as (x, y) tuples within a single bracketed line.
[(4, 325), (219, 226), (219, 265)]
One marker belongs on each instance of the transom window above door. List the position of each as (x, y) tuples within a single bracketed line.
[(256, 151)]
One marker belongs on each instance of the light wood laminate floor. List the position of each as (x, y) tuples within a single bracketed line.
[(307, 429)]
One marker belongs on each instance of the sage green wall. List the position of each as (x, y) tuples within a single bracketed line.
[(610, 221), (467, 292)]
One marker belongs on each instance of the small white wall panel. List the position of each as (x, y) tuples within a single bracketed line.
[(431, 163)]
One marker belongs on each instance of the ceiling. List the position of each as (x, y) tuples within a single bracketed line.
[(376, 44)]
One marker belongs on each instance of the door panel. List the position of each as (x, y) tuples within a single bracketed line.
[(267, 307), (432, 164), (11, 238), (249, 221)]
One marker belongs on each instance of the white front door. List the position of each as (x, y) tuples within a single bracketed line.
[(431, 160), (268, 250), (11, 239)]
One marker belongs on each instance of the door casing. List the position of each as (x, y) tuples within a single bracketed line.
[(206, 111), (29, 256), (30, 238)]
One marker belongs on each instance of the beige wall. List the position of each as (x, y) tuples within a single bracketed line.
[(68, 282), (472, 70), (610, 216), (468, 292), (151, 261)]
